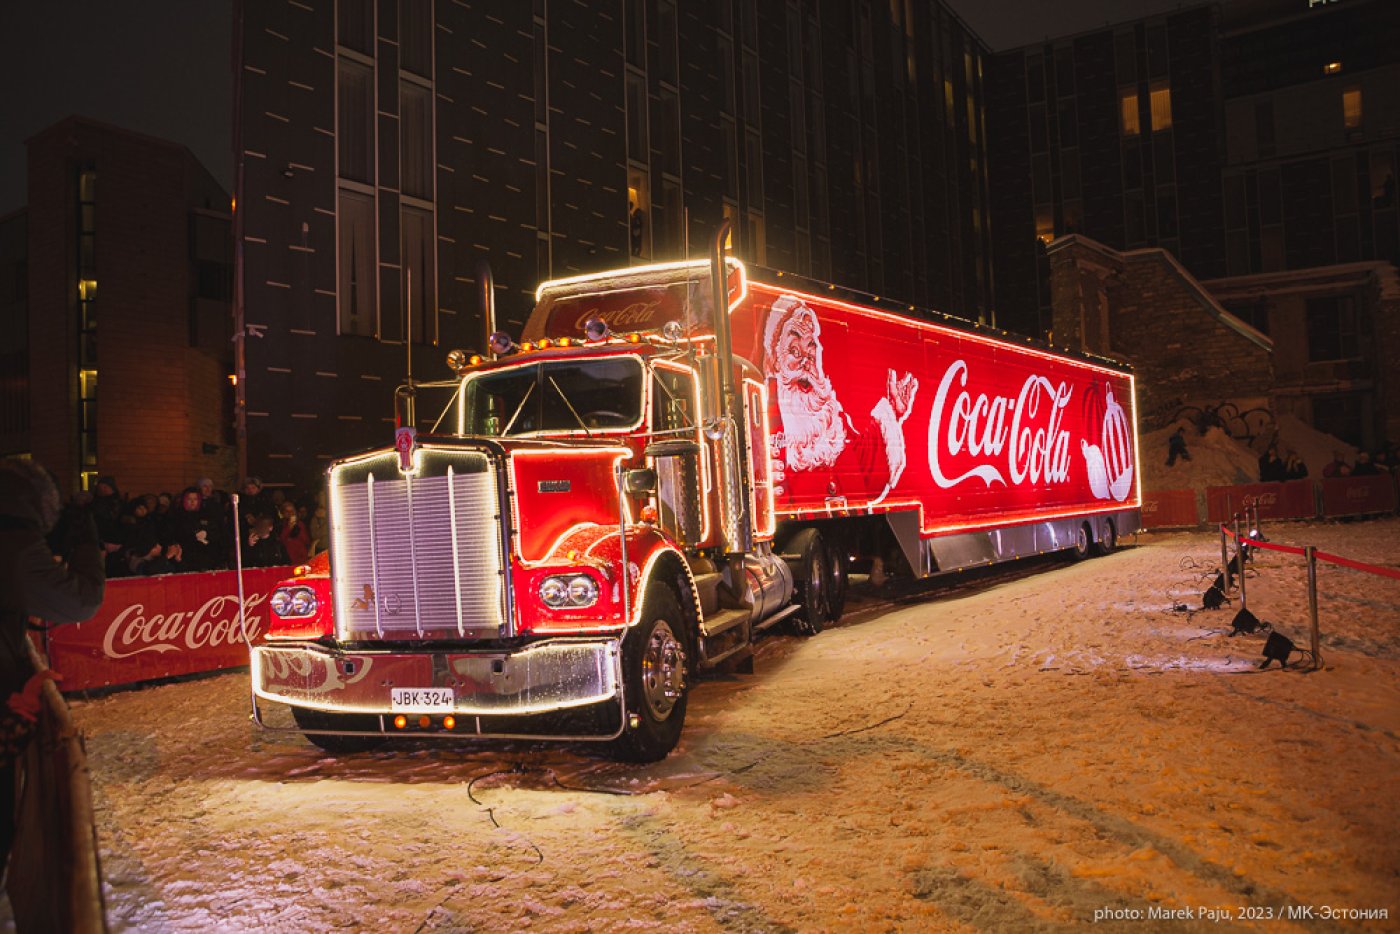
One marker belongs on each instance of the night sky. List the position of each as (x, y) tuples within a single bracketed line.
[(162, 67)]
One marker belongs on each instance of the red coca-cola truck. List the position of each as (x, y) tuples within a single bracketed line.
[(627, 497)]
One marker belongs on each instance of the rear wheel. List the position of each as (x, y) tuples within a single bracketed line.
[(1107, 542), (837, 582), (655, 654), (813, 579), (338, 745), (1082, 540)]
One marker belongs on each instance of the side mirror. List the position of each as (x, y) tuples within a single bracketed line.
[(676, 447), (639, 480)]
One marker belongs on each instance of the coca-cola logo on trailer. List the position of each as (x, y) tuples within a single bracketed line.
[(213, 624)]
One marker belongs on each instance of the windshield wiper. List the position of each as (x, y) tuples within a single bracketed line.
[(518, 409), (578, 418)]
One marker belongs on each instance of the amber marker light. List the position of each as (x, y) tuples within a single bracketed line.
[(544, 343), (400, 722), (425, 721), (449, 722), (634, 338)]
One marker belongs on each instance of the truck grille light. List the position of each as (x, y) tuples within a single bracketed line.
[(400, 722), (449, 723)]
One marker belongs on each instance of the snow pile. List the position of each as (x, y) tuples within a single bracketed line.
[(1316, 448), (1216, 460), (1220, 460)]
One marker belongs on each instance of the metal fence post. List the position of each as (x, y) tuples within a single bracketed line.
[(1310, 552), (1239, 558), (1225, 560)]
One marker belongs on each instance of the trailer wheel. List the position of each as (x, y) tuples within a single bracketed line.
[(1082, 541), (337, 745), (655, 659), (813, 579), (1108, 542), (837, 582)]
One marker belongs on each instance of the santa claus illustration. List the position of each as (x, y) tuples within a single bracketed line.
[(820, 451)]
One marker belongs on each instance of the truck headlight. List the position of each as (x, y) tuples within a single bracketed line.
[(573, 590), (293, 601)]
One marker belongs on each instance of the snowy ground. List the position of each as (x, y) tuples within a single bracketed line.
[(1019, 752)]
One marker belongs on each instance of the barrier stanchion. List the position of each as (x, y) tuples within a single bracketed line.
[(1224, 559), (1239, 560), (1311, 553)]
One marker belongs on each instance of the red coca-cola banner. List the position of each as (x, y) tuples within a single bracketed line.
[(1292, 499), (1357, 496), (1170, 509), (871, 411), (156, 627)]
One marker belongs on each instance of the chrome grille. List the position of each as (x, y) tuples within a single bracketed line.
[(418, 556)]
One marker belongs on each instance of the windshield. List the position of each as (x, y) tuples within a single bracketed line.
[(558, 395)]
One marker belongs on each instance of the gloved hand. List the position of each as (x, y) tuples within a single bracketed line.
[(25, 701)]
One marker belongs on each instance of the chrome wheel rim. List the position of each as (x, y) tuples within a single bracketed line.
[(663, 671)]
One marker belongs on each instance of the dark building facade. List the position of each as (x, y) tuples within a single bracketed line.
[(380, 144), (1246, 138), (118, 287)]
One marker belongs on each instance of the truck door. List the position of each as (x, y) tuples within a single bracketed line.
[(678, 479)]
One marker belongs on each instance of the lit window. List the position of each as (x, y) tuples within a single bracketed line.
[(1161, 99), (1044, 223), (1128, 107), (1351, 108), (1331, 68)]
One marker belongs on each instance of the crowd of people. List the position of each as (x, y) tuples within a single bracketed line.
[(164, 533)]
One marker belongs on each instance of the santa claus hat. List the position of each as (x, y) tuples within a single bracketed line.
[(783, 311)]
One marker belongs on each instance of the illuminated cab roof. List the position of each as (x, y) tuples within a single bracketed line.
[(634, 299)]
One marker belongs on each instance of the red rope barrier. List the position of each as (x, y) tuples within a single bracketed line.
[(1347, 562), (1321, 555)]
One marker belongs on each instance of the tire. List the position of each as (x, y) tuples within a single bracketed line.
[(656, 656), (812, 574), (1083, 539), (338, 745), (1108, 542), (838, 582)]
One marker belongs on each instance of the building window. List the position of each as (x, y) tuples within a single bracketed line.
[(355, 25), (636, 117), (416, 126), (87, 327), (1332, 329), (1161, 100), (357, 282), (416, 36), (420, 274), (355, 123), (636, 33), (1351, 108), (1044, 223), (1128, 113), (639, 213)]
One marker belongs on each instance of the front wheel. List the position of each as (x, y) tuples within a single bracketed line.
[(655, 653)]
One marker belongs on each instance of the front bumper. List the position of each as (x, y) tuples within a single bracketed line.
[(553, 675)]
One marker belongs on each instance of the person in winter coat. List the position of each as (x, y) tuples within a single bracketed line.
[(262, 549), (294, 535), (196, 535), (35, 584)]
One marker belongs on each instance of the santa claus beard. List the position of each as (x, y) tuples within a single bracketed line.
[(814, 430)]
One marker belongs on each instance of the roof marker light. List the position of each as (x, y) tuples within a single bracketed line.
[(501, 344)]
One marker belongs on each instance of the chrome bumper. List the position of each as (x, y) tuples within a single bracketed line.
[(545, 676)]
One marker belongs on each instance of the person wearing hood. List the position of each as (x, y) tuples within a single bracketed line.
[(33, 583)]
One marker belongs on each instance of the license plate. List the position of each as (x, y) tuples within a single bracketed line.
[(421, 700)]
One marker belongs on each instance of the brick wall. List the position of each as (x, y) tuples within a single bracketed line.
[(1142, 308), (161, 421)]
